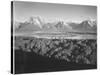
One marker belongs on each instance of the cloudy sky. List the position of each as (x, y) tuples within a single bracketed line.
[(51, 12)]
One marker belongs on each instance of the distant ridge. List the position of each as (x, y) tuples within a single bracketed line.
[(36, 24)]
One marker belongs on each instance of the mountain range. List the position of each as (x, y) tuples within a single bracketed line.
[(35, 24)]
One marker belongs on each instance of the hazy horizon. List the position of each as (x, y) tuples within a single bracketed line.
[(51, 11)]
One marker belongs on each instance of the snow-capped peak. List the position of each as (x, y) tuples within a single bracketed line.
[(36, 21), (91, 23)]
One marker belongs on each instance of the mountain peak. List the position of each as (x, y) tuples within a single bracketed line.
[(89, 22), (36, 21)]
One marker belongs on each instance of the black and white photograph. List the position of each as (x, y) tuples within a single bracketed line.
[(52, 37)]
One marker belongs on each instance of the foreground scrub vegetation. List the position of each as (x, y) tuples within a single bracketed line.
[(82, 51)]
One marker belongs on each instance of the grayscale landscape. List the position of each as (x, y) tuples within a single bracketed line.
[(54, 37)]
